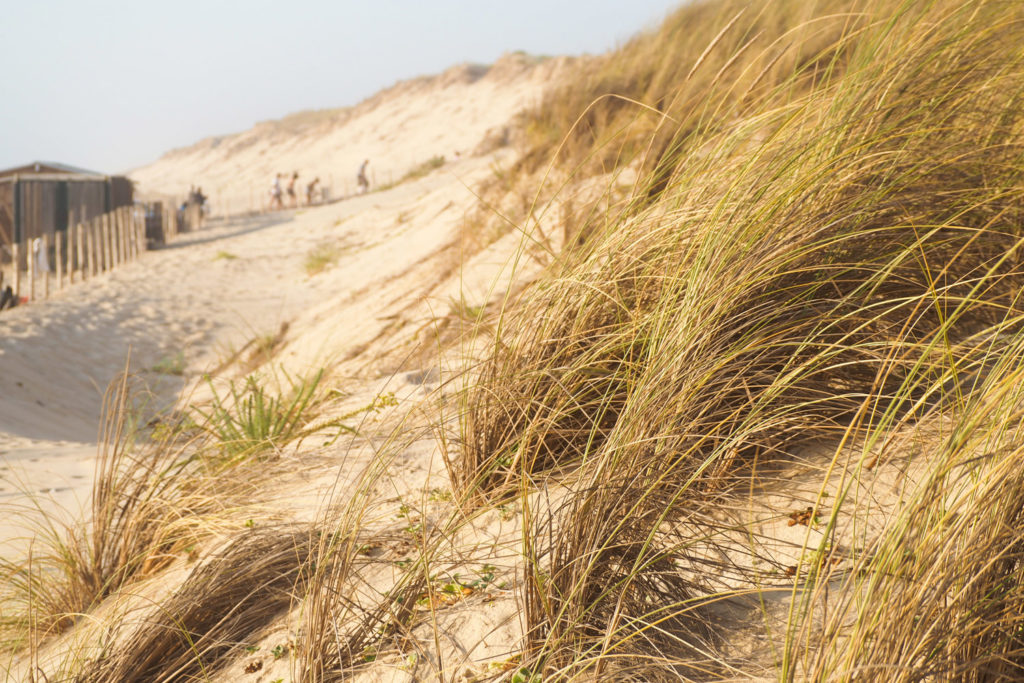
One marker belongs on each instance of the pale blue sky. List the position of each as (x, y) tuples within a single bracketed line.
[(112, 84)]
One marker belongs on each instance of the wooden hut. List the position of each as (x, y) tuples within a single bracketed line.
[(39, 198)]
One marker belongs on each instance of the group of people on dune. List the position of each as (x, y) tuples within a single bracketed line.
[(277, 195), (278, 188)]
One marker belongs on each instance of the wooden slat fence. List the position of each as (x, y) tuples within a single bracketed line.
[(83, 251)]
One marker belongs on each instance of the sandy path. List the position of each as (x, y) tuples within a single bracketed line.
[(198, 299)]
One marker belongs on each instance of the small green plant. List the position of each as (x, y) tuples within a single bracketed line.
[(225, 256), (506, 512), (170, 365), (524, 675), (250, 421), (439, 495), (320, 258), (279, 651), (463, 310)]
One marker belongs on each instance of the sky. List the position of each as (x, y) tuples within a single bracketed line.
[(110, 85)]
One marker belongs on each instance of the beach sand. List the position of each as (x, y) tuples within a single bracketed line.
[(192, 305)]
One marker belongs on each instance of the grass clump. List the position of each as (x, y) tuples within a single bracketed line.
[(811, 264), (170, 365), (416, 172), (143, 497), (250, 420), (424, 168), (196, 631), (320, 258)]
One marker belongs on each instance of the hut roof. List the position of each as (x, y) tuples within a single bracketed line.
[(48, 167)]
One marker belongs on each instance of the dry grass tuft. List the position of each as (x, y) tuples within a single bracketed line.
[(231, 595), (803, 265), (143, 508)]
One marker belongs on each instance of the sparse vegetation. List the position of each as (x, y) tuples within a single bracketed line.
[(320, 258), (170, 365), (142, 500), (772, 395), (250, 420), (415, 173)]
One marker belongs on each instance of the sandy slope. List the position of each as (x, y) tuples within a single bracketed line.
[(211, 292), (399, 271), (396, 130)]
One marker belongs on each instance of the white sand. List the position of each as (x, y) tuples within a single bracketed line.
[(398, 270), (213, 291), (396, 130), (208, 294)]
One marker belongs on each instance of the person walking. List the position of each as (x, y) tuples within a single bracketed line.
[(291, 190), (275, 193), (364, 184), (311, 190)]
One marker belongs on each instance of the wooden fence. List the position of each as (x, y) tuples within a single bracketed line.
[(83, 251)]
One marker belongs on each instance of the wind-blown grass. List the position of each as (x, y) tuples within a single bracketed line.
[(804, 268), (144, 503), (823, 247), (233, 594)]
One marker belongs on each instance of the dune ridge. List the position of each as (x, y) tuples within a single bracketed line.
[(397, 129)]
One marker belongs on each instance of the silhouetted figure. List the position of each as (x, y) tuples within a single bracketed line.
[(275, 193), (7, 298), (311, 189), (291, 189), (364, 184)]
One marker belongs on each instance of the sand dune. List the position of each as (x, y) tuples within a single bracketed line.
[(396, 130)]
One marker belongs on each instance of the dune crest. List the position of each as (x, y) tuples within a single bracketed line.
[(397, 129)]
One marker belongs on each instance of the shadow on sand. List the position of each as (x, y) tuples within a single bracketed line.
[(246, 225)]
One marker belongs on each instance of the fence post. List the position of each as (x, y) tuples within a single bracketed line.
[(118, 237), (133, 242), (31, 258), (122, 230), (92, 234), (70, 253), (132, 234), (140, 226), (44, 250), (129, 233), (15, 251), (84, 261), (100, 251), (58, 256), (105, 238), (114, 255), (97, 262), (97, 237), (112, 222)]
